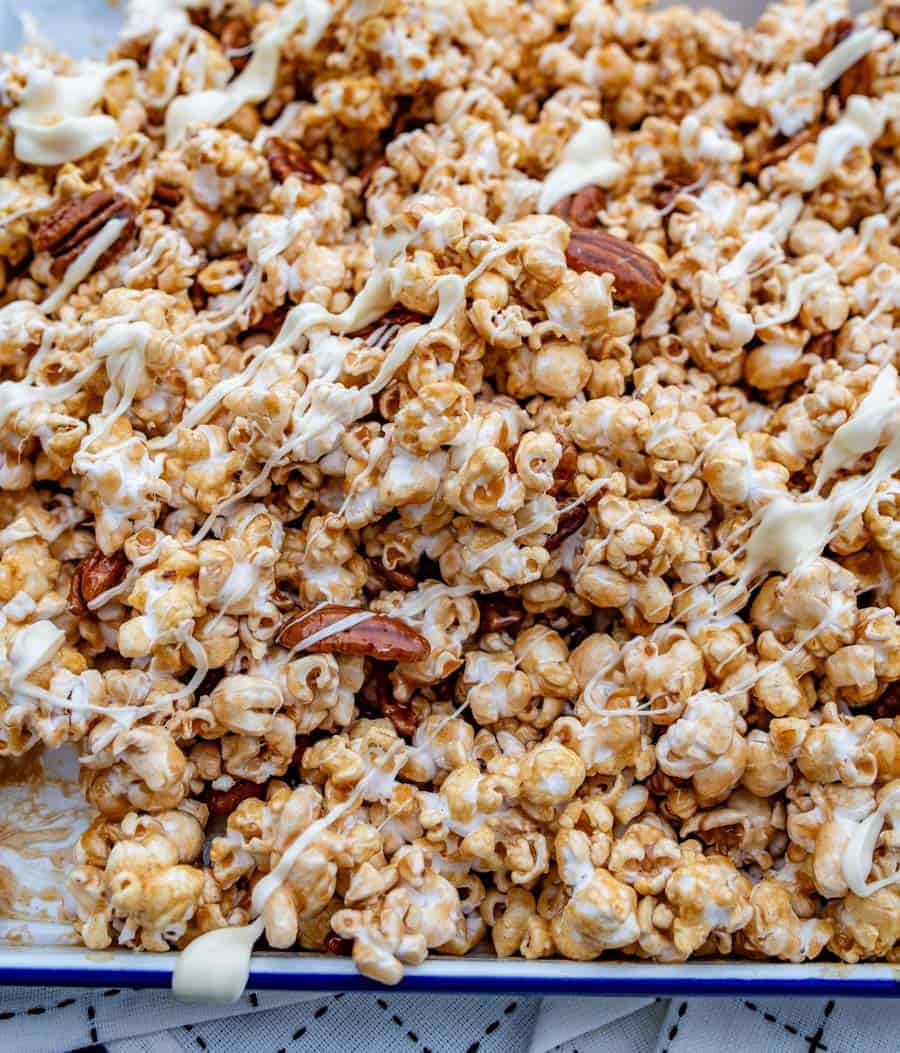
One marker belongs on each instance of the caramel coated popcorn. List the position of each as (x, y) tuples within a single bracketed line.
[(449, 475)]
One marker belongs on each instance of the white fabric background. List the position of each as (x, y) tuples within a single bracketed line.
[(56, 1020)]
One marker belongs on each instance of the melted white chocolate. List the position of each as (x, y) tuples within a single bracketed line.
[(215, 966), (587, 160), (850, 50), (791, 531), (856, 861), (257, 81), (53, 123), (862, 123)]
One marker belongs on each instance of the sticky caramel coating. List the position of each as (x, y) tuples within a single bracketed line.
[(623, 735)]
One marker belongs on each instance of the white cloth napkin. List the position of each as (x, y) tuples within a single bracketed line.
[(56, 1020)]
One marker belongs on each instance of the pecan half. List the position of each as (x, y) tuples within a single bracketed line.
[(781, 152), (66, 231), (568, 523), (499, 612), (637, 278), (224, 802), (400, 714), (286, 159), (380, 636), (235, 36), (580, 210), (93, 576)]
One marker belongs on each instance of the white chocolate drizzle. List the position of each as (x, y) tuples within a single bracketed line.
[(850, 50), (863, 122), (856, 860), (791, 532), (587, 160), (53, 123), (257, 81)]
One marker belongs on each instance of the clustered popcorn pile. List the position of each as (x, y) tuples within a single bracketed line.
[(449, 475)]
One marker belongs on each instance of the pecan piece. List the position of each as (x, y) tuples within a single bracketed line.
[(499, 612), (271, 322), (396, 578), (335, 944), (833, 35), (637, 278), (235, 36), (286, 159), (400, 714), (858, 80), (569, 522), (388, 325), (368, 170), (66, 231), (580, 210), (166, 198), (93, 576), (781, 152), (565, 470), (224, 802), (821, 345), (379, 636)]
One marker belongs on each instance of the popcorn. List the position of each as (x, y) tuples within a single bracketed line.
[(624, 468)]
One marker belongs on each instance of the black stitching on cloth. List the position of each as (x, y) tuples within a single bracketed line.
[(474, 1047), (111, 992), (320, 1012), (673, 1030), (254, 1001), (412, 1036), (815, 1040), (511, 1008), (91, 1014), (299, 1033), (37, 1009), (791, 1030)]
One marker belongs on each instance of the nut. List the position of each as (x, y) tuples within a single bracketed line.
[(66, 231), (858, 80), (638, 279), (400, 714), (580, 210), (565, 470), (93, 576), (286, 159), (388, 326), (224, 802), (499, 612), (569, 523), (396, 578), (166, 198), (833, 35), (379, 636), (782, 151), (235, 36)]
